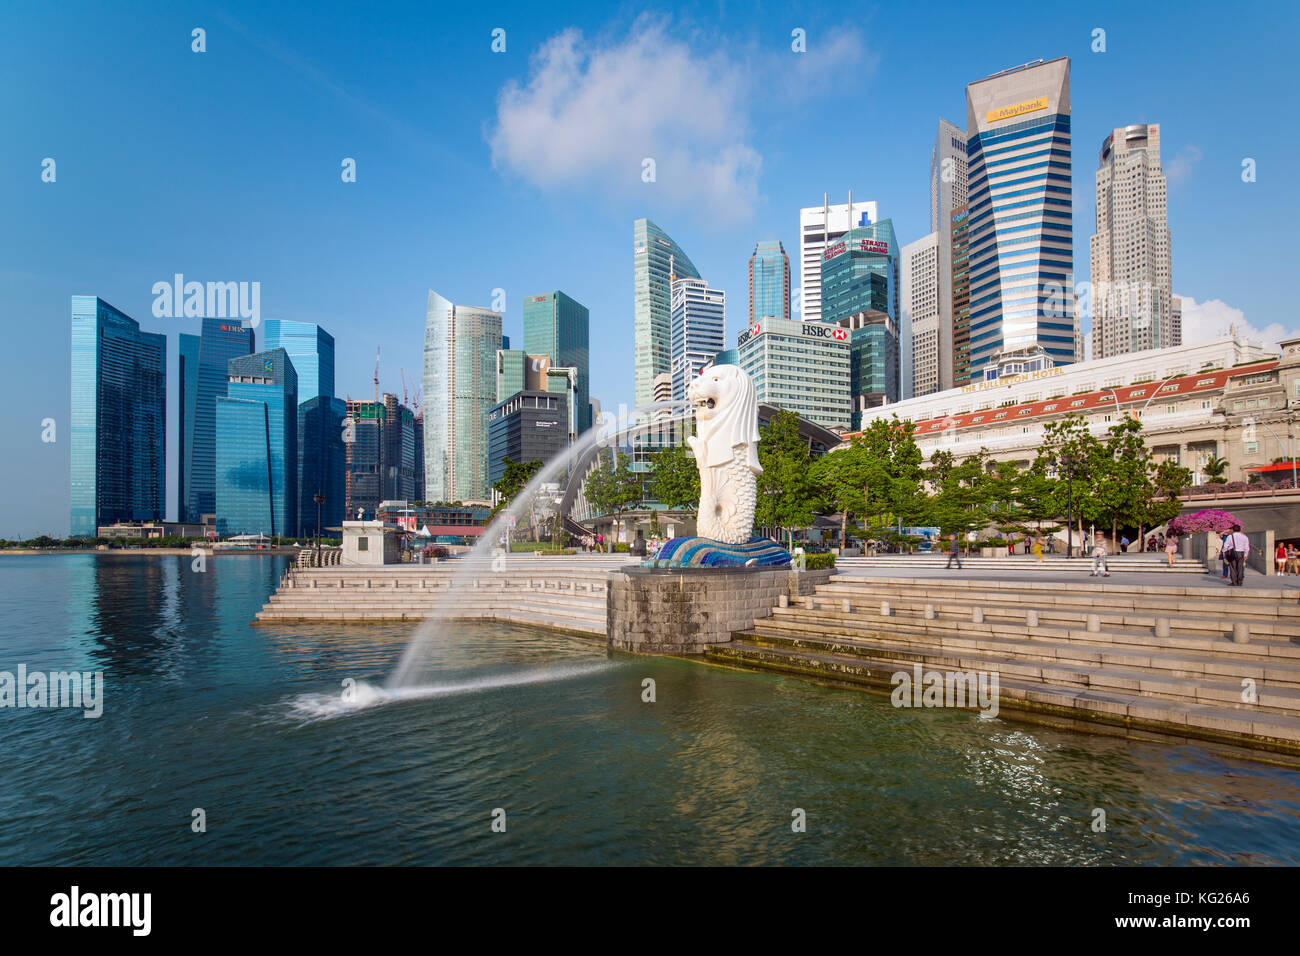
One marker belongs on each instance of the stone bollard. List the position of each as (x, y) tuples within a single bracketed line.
[(885, 610), (1241, 632), (977, 615), (810, 603), (1094, 622), (1162, 627), (783, 600), (1031, 618), (930, 613)]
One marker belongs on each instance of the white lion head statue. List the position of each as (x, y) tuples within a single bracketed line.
[(726, 415)]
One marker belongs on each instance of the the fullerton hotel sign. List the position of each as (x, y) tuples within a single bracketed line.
[(1014, 379)]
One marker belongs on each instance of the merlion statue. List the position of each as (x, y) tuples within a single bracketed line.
[(726, 452)]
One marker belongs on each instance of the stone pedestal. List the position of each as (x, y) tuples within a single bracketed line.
[(687, 610)]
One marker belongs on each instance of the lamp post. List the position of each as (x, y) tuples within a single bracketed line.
[(1069, 461), (320, 500)]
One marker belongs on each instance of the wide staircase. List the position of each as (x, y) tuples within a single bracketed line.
[(1197, 662), (1059, 563), (562, 593)]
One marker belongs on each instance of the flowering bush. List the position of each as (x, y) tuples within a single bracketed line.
[(1211, 519)]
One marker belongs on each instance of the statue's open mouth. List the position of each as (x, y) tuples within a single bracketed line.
[(706, 403)]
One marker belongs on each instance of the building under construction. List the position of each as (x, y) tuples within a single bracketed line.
[(385, 454)]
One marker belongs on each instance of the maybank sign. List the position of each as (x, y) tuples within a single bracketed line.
[(1016, 109)]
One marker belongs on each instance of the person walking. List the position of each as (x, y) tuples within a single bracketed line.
[(1292, 559), (1038, 547), (954, 554), (1280, 558), (1237, 550), (1123, 544), (1171, 548), (1099, 557)]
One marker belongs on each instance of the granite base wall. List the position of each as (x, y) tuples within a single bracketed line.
[(689, 610)]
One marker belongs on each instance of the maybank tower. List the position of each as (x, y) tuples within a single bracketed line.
[(1020, 216)]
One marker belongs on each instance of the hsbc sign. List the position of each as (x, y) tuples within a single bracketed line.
[(822, 331)]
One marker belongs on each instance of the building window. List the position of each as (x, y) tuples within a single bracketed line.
[(363, 544), (1250, 447)]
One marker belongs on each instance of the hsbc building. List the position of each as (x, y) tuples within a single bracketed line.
[(800, 366)]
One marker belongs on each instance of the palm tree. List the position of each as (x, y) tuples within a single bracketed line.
[(1214, 468)]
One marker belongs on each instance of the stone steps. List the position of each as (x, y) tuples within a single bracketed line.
[(1188, 619), (1182, 678), (1262, 729), (1114, 563)]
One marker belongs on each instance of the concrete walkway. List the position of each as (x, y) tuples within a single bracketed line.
[(972, 570)]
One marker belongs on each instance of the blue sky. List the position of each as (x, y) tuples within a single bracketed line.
[(522, 170)]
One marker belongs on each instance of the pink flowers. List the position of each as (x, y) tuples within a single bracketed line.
[(1211, 519)]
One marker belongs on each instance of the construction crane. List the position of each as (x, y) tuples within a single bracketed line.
[(405, 400), (376, 374)]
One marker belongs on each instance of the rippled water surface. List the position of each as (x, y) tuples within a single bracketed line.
[(251, 724)]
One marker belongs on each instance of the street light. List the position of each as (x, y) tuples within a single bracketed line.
[(1070, 463)]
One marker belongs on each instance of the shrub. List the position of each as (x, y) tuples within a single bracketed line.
[(818, 562), (1210, 519)]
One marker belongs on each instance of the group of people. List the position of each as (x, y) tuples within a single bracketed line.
[(592, 542), (641, 547), (1287, 557)]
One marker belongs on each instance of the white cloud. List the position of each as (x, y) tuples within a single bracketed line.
[(590, 113), (1214, 318), (1179, 169)]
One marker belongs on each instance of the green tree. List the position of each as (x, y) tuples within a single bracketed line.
[(1215, 469), (1169, 480), (513, 480), (840, 477), (787, 495), (1124, 483), (675, 479), (612, 488)]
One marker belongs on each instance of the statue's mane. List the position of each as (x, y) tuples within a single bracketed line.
[(738, 422)]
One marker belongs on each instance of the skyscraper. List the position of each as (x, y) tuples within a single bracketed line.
[(460, 347), (920, 304), (819, 227), (321, 457), (698, 330), (803, 367), (556, 325), (1131, 270), (769, 281), (310, 348), (1020, 210), (256, 448), (220, 341), (655, 257), (187, 387), (119, 418), (860, 292), (948, 185)]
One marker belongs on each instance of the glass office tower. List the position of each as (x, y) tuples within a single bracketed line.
[(1021, 241), (556, 325), (697, 330), (460, 348), (769, 281), (655, 258), (186, 402), (220, 341), (310, 349), (119, 418), (256, 447), (321, 463)]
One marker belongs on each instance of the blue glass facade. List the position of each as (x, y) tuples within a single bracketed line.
[(1020, 219), (311, 350), (186, 401), (860, 273), (221, 341), (119, 418), (321, 463), (256, 450), (655, 254), (558, 326), (769, 281)]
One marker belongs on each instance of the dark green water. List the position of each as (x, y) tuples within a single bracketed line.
[(202, 710)]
